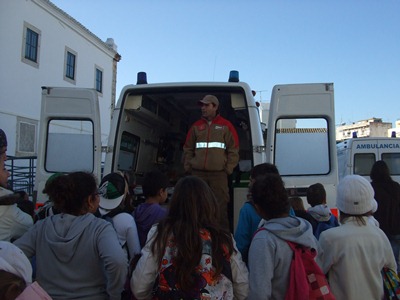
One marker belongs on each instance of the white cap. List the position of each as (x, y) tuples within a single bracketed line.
[(13, 260), (355, 195)]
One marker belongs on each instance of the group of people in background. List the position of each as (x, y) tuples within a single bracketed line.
[(89, 243), (352, 251)]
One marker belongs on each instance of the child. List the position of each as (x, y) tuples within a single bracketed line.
[(355, 252), (151, 212), (16, 275), (270, 256), (113, 190), (77, 254), (13, 221), (322, 218), (190, 252), (249, 220)]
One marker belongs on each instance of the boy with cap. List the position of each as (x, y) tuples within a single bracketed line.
[(355, 252), (211, 152), (112, 191)]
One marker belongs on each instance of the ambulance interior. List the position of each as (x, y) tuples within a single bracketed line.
[(154, 124)]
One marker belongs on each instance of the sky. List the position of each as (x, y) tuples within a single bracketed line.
[(353, 43)]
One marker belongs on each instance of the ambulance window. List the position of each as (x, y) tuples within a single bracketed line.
[(393, 162), (128, 151), (69, 146), (363, 163), (308, 136)]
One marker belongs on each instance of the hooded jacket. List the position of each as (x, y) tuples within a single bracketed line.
[(76, 257), (322, 219), (270, 256)]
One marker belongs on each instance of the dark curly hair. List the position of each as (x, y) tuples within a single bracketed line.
[(270, 195), (69, 192)]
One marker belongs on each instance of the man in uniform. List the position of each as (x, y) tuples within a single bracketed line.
[(212, 151)]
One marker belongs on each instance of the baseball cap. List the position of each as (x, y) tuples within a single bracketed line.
[(111, 191), (13, 260), (209, 99)]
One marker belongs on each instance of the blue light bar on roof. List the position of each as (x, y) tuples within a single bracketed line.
[(233, 76), (141, 78)]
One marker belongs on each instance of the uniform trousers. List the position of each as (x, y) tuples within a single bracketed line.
[(218, 182)]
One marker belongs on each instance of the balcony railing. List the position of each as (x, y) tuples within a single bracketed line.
[(22, 171)]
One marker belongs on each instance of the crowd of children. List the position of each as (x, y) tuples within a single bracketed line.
[(92, 245)]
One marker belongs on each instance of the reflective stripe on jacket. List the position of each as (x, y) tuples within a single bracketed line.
[(213, 147)]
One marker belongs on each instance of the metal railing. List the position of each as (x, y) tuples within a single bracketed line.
[(22, 171)]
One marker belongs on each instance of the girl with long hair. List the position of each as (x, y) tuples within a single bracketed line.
[(190, 255)]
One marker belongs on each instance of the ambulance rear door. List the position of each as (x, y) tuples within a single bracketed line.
[(301, 137), (69, 135)]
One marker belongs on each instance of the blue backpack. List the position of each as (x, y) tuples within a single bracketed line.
[(322, 226)]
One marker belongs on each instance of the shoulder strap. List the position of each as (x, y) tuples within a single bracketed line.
[(258, 230)]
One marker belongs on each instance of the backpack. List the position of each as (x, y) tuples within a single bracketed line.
[(322, 226), (391, 284), (306, 281)]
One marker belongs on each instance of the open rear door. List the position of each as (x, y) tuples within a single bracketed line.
[(301, 137), (69, 135)]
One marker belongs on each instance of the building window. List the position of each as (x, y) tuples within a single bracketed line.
[(70, 65), (70, 68), (99, 80), (31, 45)]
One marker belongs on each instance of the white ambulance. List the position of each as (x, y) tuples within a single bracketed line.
[(357, 155), (149, 126)]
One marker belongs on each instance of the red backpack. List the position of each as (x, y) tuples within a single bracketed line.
[(307, 281)]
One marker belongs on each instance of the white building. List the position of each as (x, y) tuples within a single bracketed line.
[(41, 45), (373, 127)]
